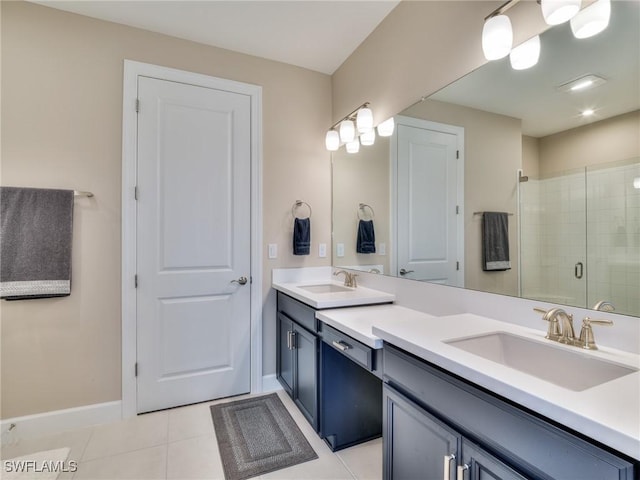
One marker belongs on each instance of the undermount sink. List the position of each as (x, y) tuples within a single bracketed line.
[(574, 370), (326, 288)]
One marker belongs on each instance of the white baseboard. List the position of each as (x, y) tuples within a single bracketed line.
[(49, 423), (270, 383)]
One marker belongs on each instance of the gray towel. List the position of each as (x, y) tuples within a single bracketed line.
[(301, 236), (36, 227), (495, 241)]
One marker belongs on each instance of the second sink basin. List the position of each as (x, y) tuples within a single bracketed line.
[(325, 288), (574, 370)]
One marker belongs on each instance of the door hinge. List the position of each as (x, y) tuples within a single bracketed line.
[(135, 192), (135, 369), (135, 281), (457, 154), (457, 209), (250, 280), (457, 265), (137, 105)]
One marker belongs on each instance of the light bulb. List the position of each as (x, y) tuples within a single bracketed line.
[(556, 12), (525, 55), (368, 138), (497, 37), (332, 140), (385, 129), (587, 113), (591, 20), (364, 120), (353, 147), (347, 131)]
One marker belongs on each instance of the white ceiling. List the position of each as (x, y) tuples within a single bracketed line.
[(318, 35)]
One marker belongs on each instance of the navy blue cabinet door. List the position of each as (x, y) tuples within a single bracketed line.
[(305, 393), (284, 360), (477, 464)]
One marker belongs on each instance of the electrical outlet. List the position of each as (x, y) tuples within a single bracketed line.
[(382, 249), (340, 250), (273, 250), (322, 250)]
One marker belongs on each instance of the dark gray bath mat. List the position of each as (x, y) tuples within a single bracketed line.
[(257, 436)]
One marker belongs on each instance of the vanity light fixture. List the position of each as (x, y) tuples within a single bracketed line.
[(497, 37), (556, 12), (591, 20), (525, 55), (636, 183), (385, 129), (353, 147), (345, 131), (368, 138), (364, 120)]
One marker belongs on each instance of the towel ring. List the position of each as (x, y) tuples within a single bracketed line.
[(361, 208), (297, 205)]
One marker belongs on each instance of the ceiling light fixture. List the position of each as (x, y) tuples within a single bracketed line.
[(587, 113), (636, 183), (556, 12), (591, 20), (581, 84), (347, 131), (525, 55)]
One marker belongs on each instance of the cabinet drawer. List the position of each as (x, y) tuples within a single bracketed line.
[(298, 311), (350, 347)]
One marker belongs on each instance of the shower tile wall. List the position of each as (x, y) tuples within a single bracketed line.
[(564, 222)]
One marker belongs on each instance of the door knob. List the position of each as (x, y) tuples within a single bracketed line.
[(404, 272), (241, 281)]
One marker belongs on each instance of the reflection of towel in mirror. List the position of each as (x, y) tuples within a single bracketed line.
[(36, 233), (366, 241), (301, 236), (495, 241)]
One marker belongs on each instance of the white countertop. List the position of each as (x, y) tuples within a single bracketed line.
[(608, 413), (352, 297), (357, 322)]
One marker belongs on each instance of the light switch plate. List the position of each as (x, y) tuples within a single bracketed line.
[(273, 250), (382, 249), (340, 250), (322, 250)]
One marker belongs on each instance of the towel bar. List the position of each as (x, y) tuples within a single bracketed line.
[(481, 213), (80, 193)]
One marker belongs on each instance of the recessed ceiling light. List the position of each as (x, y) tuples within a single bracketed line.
[(581, 84), (587, 113)]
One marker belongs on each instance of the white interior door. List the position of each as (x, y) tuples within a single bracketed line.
[(193, 320), (427, 198)]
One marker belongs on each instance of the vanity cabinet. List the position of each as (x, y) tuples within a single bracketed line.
[(434, 421), (297, 347)]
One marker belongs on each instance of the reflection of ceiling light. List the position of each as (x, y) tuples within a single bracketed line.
[(636, 183), (556, 12), (497, 37), (591, 20), (385, 129), (587, 113), (525, 55), (581, 84)]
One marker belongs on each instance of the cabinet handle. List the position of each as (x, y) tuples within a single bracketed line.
[(578, 270), (293, 340), (447, 466), (461, 470), (340, 345), (289, 339)]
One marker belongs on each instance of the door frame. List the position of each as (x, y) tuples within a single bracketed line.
[(393, 190), (132, 70)]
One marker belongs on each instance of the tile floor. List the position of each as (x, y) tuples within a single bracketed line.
[(181, 444)]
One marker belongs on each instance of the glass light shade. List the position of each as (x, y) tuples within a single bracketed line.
[(368, 138), (347, 131), (353, 147), (332, 140), (497, 37), (525, 55), (385, 129), (364, 120), (556, 12), (591, 20), (636, 182)]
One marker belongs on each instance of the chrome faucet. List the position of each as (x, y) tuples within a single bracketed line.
[(559, 332), (349, 278), (604, 306), (564, 332)]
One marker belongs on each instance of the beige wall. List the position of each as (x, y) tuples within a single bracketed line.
[(493, 154), (531, 156), (361, 178), (61, 127), (605, 141)]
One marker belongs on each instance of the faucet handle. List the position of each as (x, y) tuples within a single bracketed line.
[(354, 283), (540, 310), (587, 339)]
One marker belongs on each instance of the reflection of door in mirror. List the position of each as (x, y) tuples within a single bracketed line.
[(428, 191)]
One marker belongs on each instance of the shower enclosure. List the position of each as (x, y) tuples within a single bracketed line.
[(580, 237)]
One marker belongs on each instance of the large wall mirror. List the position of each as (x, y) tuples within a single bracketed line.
[(515, 142)]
